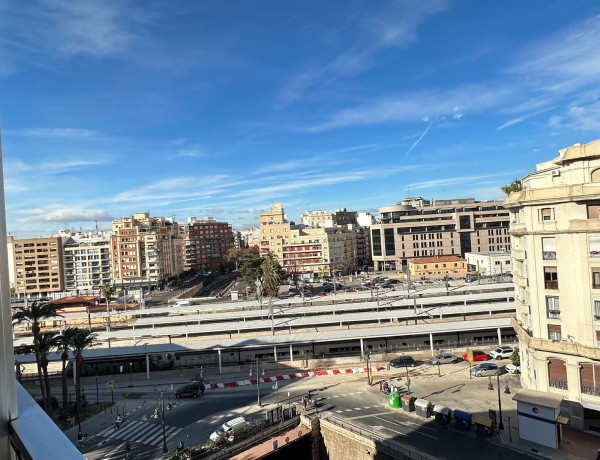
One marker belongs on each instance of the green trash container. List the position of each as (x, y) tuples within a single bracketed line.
[(394, 400)]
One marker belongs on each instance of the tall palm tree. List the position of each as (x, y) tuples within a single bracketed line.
[(47, 343), (35, 314), (81, 340), (107, 292), (65, 344)]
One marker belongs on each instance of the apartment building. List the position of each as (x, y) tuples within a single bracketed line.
[(205, 243), (38, 266), (555, 229), (145, 251), (339, 217), (86, 258), (274, 231), (448, 227), (318, 251)]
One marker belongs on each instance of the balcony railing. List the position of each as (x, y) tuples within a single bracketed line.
[(34, 435), (551, 284), (560, 384), (549, 255), (553, 314), (590, 390)]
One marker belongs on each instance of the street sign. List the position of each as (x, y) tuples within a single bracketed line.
[(470, 355), (109, 385)]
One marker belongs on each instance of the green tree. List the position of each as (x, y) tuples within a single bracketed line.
[(48, 342), (65, 344), (272, 273), (252, 273), (82, 339), (35, 314), (234, 256), (515, 357), (514, 186), (107, 292)]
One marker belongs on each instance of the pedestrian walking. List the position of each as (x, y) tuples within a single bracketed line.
[(380, 386)]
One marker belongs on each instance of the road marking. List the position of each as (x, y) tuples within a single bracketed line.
[(357, 408), (369, 415), (414, 431), (339, 411), (335, 396), (348, 410), (366, 407)]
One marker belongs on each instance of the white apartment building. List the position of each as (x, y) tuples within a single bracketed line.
[(555, 230), (86, 258)]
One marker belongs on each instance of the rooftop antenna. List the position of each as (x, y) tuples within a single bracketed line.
[(97, 229)]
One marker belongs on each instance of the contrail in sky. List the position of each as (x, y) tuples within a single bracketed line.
[(418, 140)]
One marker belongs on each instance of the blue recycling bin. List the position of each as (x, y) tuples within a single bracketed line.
[(462, 419)]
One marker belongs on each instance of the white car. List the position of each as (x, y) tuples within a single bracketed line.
[(513, 369), (501, 352)]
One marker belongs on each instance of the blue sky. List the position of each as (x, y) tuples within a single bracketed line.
[(220, 108)]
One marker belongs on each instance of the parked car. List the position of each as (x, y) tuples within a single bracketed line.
[(193, 389), (513, 369), (350, 290), (484, 369), (322, 294), (228, 427), (444, 358), (382, 284), (501, 352), (403, 361), (478, 355)]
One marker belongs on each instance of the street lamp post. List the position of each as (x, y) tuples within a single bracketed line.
[(165, 449), (367, 354), (407, 380), (500, 424), (257, 381), (289, 406)]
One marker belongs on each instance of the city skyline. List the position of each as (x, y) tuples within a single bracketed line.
[(220, 110)]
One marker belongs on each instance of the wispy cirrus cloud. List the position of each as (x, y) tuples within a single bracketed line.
[(514, 121), (394, 26), (53, 132), (458, 180), (426, 104), (62, 215)]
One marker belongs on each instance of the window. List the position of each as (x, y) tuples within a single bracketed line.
[(546, 214), (548, 248), (390, 249), (596, 308), (376, 235), (550, 278), (595, 278), (557, 374), (554, 332), (552, 308), (593, 211), (598, 338), (594, 246)]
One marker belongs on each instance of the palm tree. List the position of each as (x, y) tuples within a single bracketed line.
[(47, 343), (35, 314), (65, 344), (82, 339), (107, 292)]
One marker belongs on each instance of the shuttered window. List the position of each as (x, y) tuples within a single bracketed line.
[(593, 211), (554, 332)]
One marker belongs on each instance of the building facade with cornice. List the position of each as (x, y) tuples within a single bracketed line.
[(555, 230)]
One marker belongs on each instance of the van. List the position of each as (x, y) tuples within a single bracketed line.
[(182, 303), (228, 426)]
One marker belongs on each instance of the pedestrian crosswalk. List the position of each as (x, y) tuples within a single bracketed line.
[(140, 432)]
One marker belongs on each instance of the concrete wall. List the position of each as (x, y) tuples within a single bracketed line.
[(338, 443)]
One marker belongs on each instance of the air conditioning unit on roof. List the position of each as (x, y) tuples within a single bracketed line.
[(556, 173)]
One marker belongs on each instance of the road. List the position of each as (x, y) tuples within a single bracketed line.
[(343, 396)]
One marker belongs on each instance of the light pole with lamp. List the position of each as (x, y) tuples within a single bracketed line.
[(407, 380), (289, 406), (367, 354), (257, 381), (165, 450), (500, 424)]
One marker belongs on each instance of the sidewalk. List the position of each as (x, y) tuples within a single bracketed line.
[(452, 389)]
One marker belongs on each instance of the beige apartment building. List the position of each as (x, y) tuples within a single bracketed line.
[(555, 229), (307, 251), (448, 227), (145, 251), (37, 265), (328, 218)]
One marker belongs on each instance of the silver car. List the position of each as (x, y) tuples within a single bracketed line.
[(444, 358), (484, 369)]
